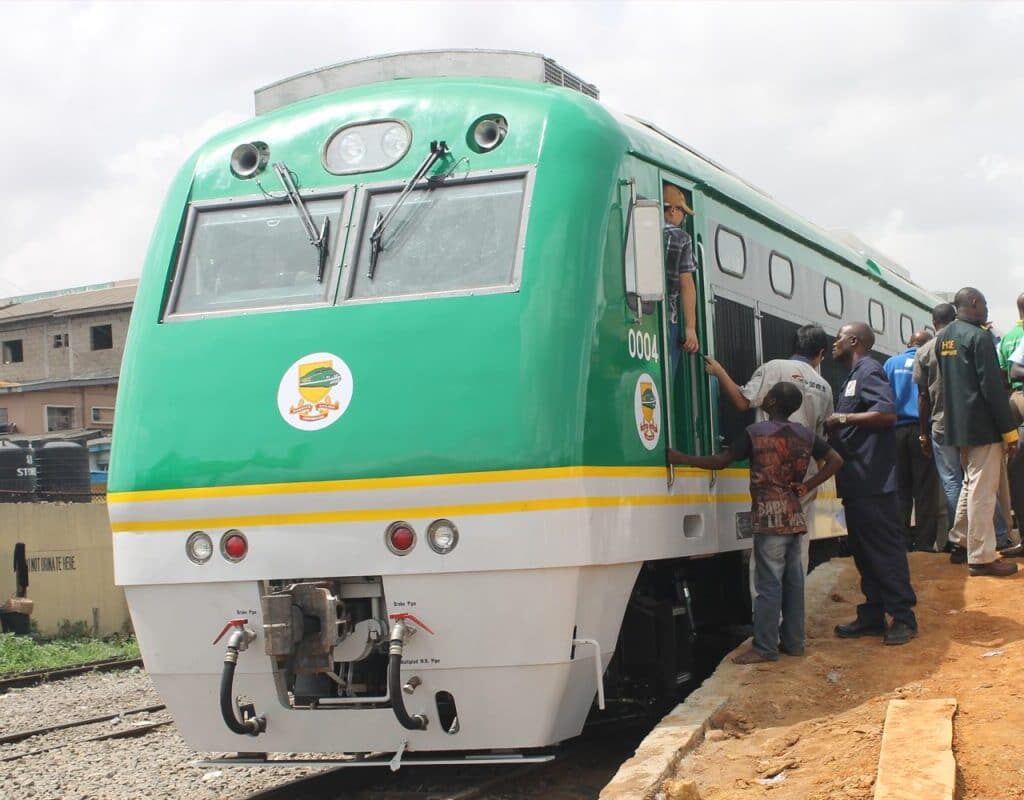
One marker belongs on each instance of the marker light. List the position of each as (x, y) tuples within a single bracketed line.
[(400, 538), (442, 536), (234, 546), (199, 547), (487, 133)]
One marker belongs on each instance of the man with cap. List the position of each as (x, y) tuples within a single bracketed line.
[(978, 421), (679, 271)]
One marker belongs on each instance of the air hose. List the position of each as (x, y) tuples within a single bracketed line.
[(249, 724), (416, 722)]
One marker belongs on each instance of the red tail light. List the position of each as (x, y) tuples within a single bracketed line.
[(234, 546), (400, 538)]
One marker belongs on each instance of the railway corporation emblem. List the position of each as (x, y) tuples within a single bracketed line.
[(315, 391), (647, 409)]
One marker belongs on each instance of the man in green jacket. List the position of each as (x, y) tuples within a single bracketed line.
[(978, 421)]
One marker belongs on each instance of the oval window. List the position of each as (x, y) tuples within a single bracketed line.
[(780, 273), (876, 316), (833, 298), (906, 328), (731, 252)]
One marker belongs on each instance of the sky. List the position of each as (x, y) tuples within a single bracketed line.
[(900, 122)]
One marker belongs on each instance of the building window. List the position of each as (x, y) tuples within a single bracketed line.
[(101, 337), (833, 299), (60, 340), (780, 272), (3, 416), (731, 252), (60, 418), (876, 316), (13, 352), (102, 415), (906, 328)]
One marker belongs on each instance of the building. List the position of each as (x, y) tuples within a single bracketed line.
[(61, 356)]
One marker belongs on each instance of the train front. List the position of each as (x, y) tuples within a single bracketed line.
[(345, 508)]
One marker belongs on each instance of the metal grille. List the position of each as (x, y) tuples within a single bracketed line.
[(777, 337), (734, 349), (559, 77)]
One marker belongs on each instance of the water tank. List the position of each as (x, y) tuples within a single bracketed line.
[(63, 472), (17, 473)]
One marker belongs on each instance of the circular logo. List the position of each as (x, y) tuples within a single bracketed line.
[(647, 409), (315, 391)]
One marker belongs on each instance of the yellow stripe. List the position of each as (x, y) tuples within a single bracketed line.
[(390, 514), (402, 482)]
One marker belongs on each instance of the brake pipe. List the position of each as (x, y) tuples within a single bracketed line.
[(399, 632), (239, 640)]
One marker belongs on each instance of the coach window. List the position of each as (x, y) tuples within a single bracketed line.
[(731, 252), (906, 328), (833, 299), (876, 316), (780, 272)]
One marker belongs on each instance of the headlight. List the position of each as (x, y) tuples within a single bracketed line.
[(351, 148), (442, 536), (366, 146), (395, 141), (199, 547)]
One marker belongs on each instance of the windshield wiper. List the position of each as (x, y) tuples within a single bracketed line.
[(437, 151), (316, 238)]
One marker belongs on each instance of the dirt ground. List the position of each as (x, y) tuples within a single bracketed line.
[(811, 728)]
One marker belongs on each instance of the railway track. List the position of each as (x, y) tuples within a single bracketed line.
[(124, 733), (36, 677), (581, 768)]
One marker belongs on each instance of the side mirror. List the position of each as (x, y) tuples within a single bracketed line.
[(645, 268)]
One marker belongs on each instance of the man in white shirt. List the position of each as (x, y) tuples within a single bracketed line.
[(801, 368)]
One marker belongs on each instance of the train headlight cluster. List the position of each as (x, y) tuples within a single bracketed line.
[(366, 146), (442, 536), (199, 547), (234, 546)]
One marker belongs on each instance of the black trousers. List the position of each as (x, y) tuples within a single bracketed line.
[(919, 489), (878, 549)]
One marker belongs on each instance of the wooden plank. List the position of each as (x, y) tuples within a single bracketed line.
[(917, 761)]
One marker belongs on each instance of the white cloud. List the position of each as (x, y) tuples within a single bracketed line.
[(898, 121)]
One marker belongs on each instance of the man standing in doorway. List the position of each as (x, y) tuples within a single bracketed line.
[(917, 483), (978, 421), (679, 270), (862, 433)]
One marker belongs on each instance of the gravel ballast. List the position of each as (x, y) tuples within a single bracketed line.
[(156, 765)]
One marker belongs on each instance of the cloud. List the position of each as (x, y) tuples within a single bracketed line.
[(899, 121)]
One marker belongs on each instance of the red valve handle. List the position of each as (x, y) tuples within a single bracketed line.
[(232, 623)]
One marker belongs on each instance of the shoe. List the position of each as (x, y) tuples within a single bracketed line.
[(787, 652), (751, 656), (899, 633), (1012, 550), (856, 629), (995, 569), (958, 555)]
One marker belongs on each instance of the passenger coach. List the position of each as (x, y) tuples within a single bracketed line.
[(389, 460)]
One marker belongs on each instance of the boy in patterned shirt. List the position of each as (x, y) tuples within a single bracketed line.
[(779, 452)]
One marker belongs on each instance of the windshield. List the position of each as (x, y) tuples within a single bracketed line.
[(253, 256), (449, 237)]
